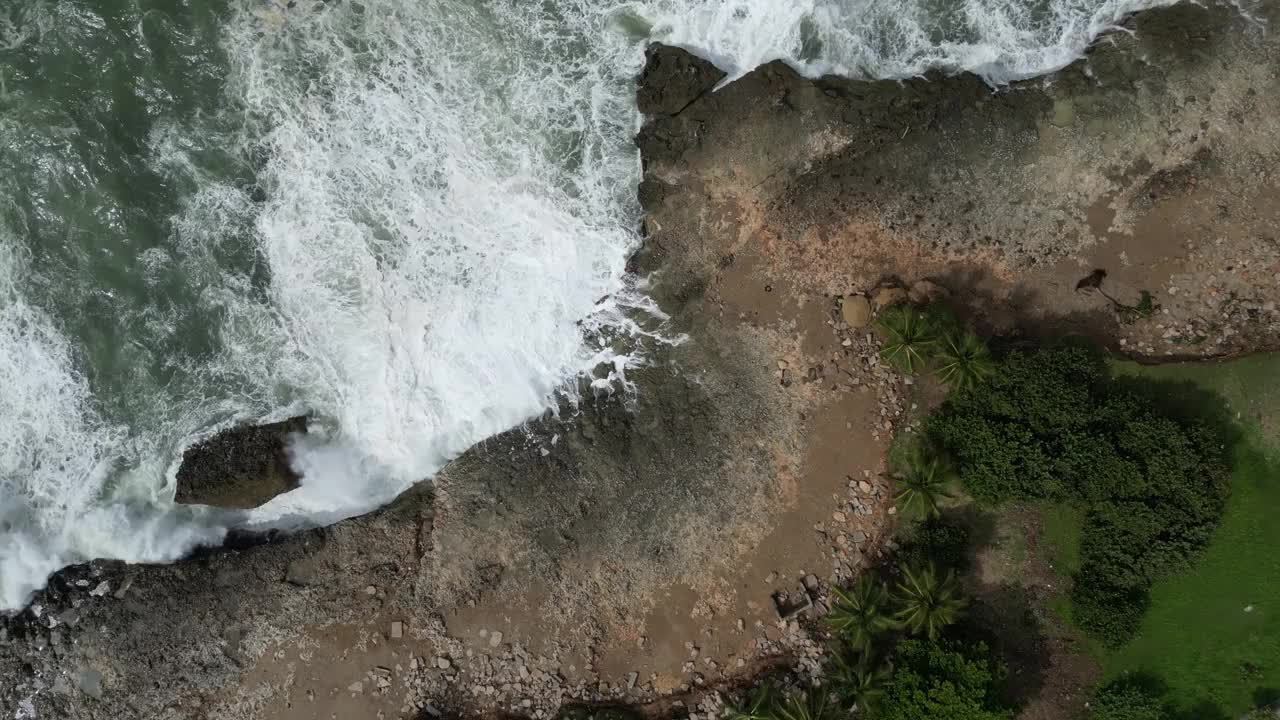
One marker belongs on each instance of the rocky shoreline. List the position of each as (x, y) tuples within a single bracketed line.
[(651, 549)]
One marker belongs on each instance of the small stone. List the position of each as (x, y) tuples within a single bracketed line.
[(397, 630), (859, 536), (856, 311), (865, 487), (1064, 111), (495, 639), (90, 683), (631, 680), (102, 589), (443, 663), (356, 687), (893, 510), (304, 572), (839, 516), (371, 590), (811, 582)]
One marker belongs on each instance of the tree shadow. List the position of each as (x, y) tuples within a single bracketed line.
[(1004, 617), (1266, 697), (980, 300)]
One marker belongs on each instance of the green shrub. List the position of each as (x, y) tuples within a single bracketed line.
[(939, 680), (1107, 612), (1127, 699)]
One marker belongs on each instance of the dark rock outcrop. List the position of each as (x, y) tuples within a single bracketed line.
[(671, 81), (243, 467)]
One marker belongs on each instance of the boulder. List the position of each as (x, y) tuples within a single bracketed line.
[(924, 292), (243, 467), (856, 311), (888, 296)]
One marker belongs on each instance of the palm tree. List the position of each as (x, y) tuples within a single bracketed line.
[(861, 613), (964, 361), (756, 706), (909, 338), (925, 484), (927, 603), (856, 678), (813, 705)]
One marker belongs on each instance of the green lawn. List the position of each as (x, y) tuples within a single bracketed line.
[(1213, 634)]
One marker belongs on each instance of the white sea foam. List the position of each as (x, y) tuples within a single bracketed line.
[(449, 202)]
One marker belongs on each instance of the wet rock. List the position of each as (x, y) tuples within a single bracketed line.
[(243, 467)]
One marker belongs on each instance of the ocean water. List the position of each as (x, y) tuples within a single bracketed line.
[(406, 218)]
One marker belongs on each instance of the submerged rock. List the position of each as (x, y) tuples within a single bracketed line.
[(243, 467)]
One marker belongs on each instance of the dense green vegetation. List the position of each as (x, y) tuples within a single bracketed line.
[(1055, 424)]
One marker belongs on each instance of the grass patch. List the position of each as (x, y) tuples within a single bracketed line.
[(1213, 633), (1062, 525)]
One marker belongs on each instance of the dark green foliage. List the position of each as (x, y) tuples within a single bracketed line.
[(860, 614), (1128, 699), (1010, 441), (1053, 424), (927, 602), (1106, 611), (925, 483), (910, 338), (935, 680), (942, 540)]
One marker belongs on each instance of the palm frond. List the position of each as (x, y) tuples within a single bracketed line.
[(860, 614), (927, 603), (856, 678), (926, 482), (756, 706), (964, 360), (909, 338), (813, 705)]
